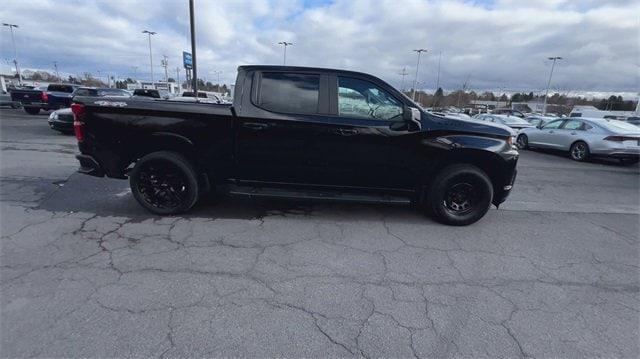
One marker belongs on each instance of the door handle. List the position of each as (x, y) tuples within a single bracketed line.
[(346, 132), (551, 131), (255, 125), (573, 133)]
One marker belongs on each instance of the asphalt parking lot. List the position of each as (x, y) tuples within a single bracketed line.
[(86, 272)]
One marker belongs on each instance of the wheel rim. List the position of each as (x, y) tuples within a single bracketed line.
[(162, 184), (521, 142), (460, 198), (579, 151)]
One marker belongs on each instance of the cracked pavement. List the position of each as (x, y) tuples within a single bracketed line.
[(85, 272)]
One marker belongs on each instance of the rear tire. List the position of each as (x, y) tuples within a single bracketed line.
[(32, 110), (164, 183), (579, 151), (461, 194)]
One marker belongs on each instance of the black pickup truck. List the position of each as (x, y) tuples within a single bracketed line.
[(53, 97), (298, 132)]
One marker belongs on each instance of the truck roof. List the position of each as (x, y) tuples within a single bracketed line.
[(301, 69)]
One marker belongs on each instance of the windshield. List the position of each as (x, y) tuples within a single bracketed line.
[(618, 126), (113, 92), (511, 120)]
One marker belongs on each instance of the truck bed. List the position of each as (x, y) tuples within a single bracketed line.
[(118, 131)]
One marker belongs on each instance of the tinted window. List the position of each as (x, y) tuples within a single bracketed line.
[(60, 88), (290, 93), (553, 124), (362, 99), (112, 92), (573, 125), (83, 92)]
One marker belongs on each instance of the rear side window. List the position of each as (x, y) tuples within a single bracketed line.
[(573, 125), (289, 93)]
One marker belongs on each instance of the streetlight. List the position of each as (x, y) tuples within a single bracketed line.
[(55, 66), (555, 58), (15, 52), (415, 81), (150, 56), (285, 44), (217, 73)]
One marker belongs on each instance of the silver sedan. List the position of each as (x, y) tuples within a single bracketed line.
[(585, 137)]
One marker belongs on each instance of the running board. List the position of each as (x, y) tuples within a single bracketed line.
[(326, 195)]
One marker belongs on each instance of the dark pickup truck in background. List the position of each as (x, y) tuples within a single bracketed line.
[(298, 132), (53, 97)]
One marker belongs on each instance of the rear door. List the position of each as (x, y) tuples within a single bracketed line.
[(279, 136)]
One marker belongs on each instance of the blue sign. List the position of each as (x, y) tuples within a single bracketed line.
[(187, 60)]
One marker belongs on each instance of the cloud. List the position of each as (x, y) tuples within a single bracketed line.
[(496, 44)]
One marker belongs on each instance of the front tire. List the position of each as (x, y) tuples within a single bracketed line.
[(460, 195), (579, 151), (32, 110), (522, 142), (164, 183)]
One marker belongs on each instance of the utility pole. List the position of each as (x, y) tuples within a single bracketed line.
[(178, 78), (438, 78), (285, 44), (403, 73), (55, 66), (15, 51), (165, 63), (150, 54), (415, 81), (193, 49), (544, 107)]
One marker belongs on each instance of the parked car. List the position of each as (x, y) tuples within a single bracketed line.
[(152, 93), (212, 97), (508, 111), (5, 100), (537, 120), (61, 120), (514, 122), (634, 120), (101, 92), (52, 97), (299, 132), (585, 137)]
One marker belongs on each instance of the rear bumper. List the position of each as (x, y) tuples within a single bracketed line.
[(89, 166)]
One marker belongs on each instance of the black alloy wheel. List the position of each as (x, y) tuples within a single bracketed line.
[(460, 194), (164, 183), (522, 142)]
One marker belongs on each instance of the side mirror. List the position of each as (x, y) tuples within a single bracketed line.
[(411, 116), (540, 125)]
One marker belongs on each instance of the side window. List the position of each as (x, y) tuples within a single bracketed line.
[(362, 99), (553, 125), (289, 93), (82, 92), (573, 125)]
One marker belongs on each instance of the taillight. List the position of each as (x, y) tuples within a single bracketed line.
[(44, 97), (620, 138), (78, 112)]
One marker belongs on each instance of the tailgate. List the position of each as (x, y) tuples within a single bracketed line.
[(27, 97)]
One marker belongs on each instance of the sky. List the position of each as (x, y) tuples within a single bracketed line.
[(499, 45)]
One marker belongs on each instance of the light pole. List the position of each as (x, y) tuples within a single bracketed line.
[(555, 58), (217, 73), (165, 63), (285, 44), (415, 81), (150, 55), (438, 78), (403, 73), (55, 66), (15, 51)]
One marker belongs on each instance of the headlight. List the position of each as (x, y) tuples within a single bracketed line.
[(53, 116)]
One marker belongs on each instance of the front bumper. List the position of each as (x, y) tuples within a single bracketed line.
[(61, 125)]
